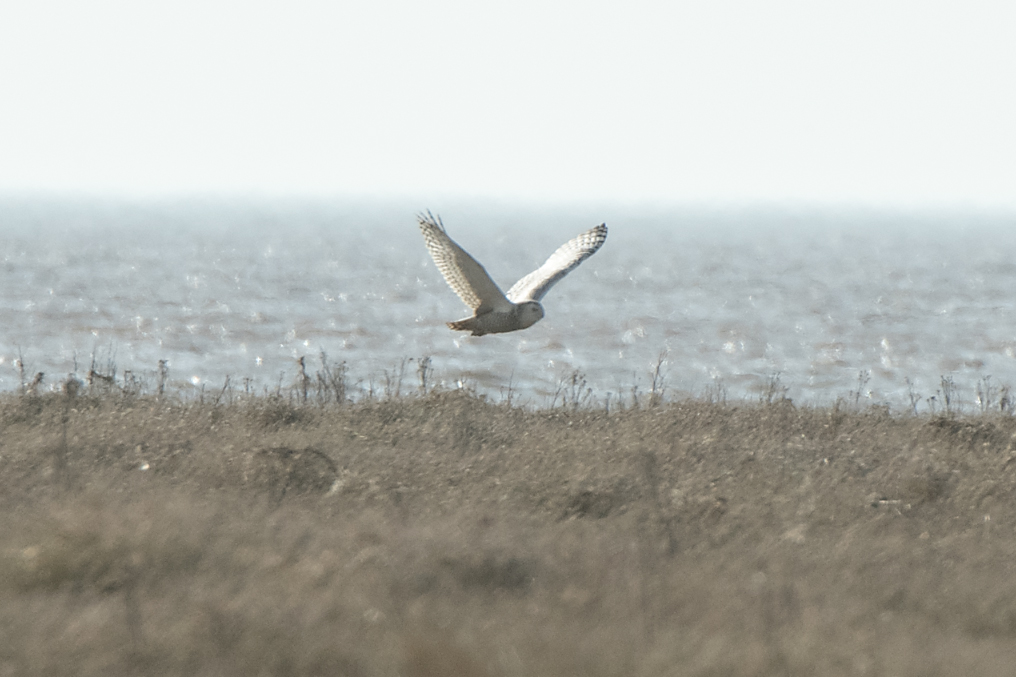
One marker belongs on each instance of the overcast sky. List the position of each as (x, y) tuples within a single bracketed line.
[(885, 102)]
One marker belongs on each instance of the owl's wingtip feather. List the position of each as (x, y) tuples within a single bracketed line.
[(428, 219)]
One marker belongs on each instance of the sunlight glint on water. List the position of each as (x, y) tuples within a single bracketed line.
[(730, 299)]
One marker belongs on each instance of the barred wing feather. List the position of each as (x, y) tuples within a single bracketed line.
[(536, 284), (462, 272)]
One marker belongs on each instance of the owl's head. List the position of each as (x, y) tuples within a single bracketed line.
[(530, 312)]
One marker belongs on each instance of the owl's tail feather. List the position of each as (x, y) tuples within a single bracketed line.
[(468, 324)]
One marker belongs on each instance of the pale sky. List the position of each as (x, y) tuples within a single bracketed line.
[(884, 102)]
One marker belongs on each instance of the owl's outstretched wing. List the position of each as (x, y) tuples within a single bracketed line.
[(462, 272), (537, 283)]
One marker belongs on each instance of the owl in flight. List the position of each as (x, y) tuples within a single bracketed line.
[(494, 311)]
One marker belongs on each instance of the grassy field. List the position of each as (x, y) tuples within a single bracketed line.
[(446, 535)]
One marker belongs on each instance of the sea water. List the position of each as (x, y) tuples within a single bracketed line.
[(815, 305)]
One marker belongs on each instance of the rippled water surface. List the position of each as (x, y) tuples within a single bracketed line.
[(876, 305)]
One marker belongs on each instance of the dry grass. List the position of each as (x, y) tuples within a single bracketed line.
[(441, 534)]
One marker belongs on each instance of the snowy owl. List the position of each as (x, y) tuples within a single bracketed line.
[(494, 311)]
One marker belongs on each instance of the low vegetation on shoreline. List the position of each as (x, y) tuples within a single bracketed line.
[(424, 532)]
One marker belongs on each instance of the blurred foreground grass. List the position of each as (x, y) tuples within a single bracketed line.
[(442, 534)]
